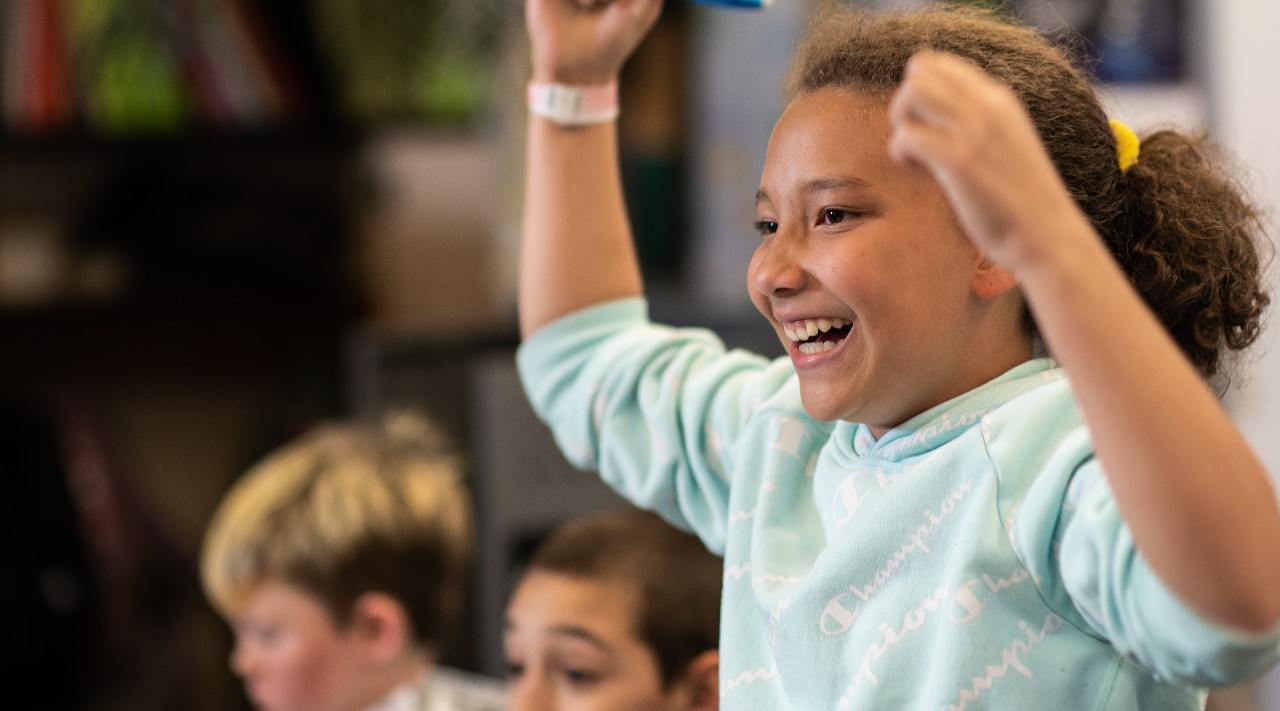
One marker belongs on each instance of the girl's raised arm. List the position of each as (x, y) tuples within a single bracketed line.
[(576, 247), (1197, 500)]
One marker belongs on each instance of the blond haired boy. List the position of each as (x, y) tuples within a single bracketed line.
[(339, 560)]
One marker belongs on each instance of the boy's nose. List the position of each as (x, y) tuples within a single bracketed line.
[(240, 661), (526, 694)]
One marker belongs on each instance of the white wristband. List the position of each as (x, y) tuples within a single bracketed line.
[(570, 105)]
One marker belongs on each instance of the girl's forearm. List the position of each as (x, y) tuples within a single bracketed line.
[(576, 247), (1198, 501)]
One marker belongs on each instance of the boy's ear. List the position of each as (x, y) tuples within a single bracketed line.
[(382, 623), (990, 279), (703, 679)]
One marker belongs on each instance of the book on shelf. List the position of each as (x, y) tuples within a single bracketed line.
[(36, 92), (117, 67)]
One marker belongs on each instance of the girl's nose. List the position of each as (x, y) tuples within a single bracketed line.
[(775, 269)]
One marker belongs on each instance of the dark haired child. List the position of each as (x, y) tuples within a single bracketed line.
[(616, 611)]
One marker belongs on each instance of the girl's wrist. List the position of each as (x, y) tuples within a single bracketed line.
[(573, 104)]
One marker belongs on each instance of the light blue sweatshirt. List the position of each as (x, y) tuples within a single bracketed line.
[(971, 558)]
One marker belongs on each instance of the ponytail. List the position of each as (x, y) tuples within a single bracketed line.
[(1192, 245)]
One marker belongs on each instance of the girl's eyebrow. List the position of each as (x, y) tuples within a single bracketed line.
[(819, 185), (823, 184)]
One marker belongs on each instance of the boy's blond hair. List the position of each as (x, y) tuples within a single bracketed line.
[(345, 510)]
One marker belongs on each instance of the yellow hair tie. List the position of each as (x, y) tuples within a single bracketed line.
[(1126, 145)]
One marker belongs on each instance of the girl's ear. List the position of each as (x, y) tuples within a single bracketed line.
[(381, 623), (702, 678), (990, 279)]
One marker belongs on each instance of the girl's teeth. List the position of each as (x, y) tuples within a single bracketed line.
[(816, 347), (808, 329)]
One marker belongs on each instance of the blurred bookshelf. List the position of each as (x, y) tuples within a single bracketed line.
[(117, 68), (200, 156), (181, 193)]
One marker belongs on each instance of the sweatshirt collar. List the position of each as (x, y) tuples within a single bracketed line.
[(943, 423)]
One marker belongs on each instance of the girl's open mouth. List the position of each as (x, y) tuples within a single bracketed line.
[(816, 335)]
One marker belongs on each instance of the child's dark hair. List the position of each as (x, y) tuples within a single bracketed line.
[(677, 581), (1178, 224)]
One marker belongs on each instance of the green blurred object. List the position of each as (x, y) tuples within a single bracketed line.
[(123, 66), (449, 89), (148, 67), (654, 193), (411, 60), (135, 90)]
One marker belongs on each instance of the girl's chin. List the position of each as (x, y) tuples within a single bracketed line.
[(819, 408)]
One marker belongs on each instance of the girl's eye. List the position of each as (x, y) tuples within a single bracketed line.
[(514, 670), (766, 227), (833, 215)]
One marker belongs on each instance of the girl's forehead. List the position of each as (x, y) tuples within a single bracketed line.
[(856, 108), (829, 133)]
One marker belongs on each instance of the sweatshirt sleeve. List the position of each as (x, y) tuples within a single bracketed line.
[(1123, 599), (655, 410), (1067, 528)]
